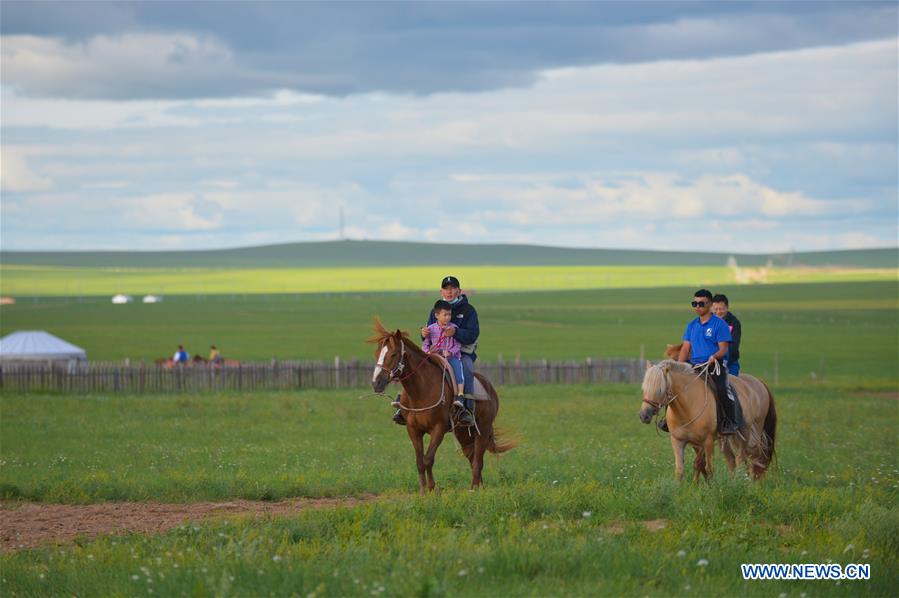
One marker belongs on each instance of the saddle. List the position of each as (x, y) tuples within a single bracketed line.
[(479, 392)]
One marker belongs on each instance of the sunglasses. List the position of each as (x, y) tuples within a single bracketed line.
[(698, 303)]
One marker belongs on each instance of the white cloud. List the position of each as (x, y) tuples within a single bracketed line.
[(17, 176)]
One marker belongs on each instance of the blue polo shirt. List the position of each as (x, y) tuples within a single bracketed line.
[(704, 338)]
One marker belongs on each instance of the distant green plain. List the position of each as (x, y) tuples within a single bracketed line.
[(47, 280), (844, 332)]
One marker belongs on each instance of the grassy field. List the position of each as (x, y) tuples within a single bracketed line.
[(844, 333), (562, 514), (65, 281)]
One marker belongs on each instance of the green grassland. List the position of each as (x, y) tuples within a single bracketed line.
[(845, 333), (562, 514), (70, 281), (347, 253)]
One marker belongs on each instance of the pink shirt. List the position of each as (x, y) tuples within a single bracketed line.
[(435, 342)]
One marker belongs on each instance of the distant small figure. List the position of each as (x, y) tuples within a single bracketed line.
[(214, 356), (181, 355)]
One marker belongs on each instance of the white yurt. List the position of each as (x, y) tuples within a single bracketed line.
[(37, 345), (122, 299)]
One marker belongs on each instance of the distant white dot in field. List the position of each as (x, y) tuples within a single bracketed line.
[(865, 553), (545, 526), (803, 553), (848, 548), (681, 553), (135, 577), (276, 558), (803, 595), (555, 482), (587, 514), (90, 556), (782, 595), (702, 563), (231, 577), (463, 572), (688, 587), (480, 569)]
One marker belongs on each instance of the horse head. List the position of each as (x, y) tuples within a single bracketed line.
[(390, 355), (656, 387)]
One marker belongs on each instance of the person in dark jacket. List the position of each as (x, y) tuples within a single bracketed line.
[(721, 308), (466, 331)]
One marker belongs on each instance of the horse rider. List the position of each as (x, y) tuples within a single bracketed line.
[(721, 308), (706, 342), (180, 355), (466, 331)]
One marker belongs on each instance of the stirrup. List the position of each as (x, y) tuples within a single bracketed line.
[(728, 428), (399, 418), (395, 404), (458, 403), (466, 418)]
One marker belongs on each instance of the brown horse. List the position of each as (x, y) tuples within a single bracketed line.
[(692, 418), (426, 401)]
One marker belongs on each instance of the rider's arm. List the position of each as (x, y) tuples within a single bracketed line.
[(469, 334), (735, 334), (684, 351), (722, 351)]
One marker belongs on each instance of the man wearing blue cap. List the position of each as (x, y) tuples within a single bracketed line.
[(466, 331)]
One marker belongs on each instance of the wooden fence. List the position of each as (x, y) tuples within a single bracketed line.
[(105, 377)]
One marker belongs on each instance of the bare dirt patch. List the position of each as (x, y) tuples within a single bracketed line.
[(652, 525), (28, 525)]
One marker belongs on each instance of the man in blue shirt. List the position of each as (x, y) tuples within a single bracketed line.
[(706, 341)]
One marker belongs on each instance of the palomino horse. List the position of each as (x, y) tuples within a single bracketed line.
[(692, 418), (427, 402)]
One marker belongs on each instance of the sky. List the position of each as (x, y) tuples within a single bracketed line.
[(743, 127)]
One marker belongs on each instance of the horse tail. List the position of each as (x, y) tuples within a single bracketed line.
[(498, 442), (770, 428)]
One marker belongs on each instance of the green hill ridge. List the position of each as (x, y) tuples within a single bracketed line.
[(399, 253)]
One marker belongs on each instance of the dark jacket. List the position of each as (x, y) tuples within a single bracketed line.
[(736, 329), (465, 317)]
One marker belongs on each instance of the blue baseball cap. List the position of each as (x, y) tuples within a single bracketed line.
[(450, 281)]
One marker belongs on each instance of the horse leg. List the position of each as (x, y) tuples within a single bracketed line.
[(416, 437), (477, 462), (709, 449), (678, 447), (436, 439), (729, 457), (698, 463)]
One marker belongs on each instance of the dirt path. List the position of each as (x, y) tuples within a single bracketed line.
[(27, 525)]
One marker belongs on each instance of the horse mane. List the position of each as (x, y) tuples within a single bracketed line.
[(657, 382), (381, 334), (672, 351)]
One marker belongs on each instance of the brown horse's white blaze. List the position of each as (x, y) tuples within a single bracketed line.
[(427, 400), (377, 384), (692, 418)]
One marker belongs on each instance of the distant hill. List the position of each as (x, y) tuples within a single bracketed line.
[(394, 253)]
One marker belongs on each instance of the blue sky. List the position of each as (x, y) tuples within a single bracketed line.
[(749, 127)]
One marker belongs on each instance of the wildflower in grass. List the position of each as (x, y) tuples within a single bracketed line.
[(681, 553), (848, 548), (463, 572), (135, 577), (276, 558), (587, 514), (702, 563)]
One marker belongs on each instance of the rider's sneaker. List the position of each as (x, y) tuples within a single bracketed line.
[(458, 402), (398, 418), (466, 418), (395, 404), (663, 425)]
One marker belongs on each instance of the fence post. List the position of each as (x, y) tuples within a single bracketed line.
[(336, 371)]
